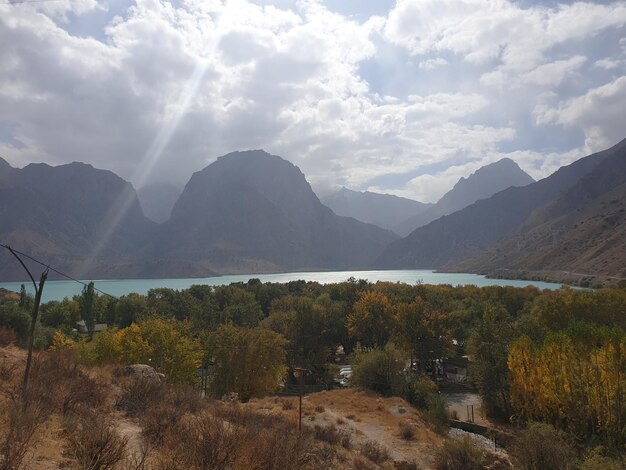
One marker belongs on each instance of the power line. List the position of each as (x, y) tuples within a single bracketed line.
[(47, 266)]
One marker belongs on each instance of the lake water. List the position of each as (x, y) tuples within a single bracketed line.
[(57, 290)]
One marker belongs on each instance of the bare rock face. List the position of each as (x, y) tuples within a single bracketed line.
[(141, 371)]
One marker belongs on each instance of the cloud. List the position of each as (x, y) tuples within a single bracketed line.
[(431, 64), (555, 72), (608, 63), (165, 87), (599, 112)]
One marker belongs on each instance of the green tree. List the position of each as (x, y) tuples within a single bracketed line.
[(13, 317), (422, 331), (489, 345), (87, 302), (249, 362)]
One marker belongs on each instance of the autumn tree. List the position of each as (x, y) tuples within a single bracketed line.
[(371, 321)]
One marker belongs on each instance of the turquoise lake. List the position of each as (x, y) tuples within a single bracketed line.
[(57, 290)]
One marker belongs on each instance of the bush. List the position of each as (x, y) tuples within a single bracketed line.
[(19, 424), (407, 431), (14, 318), (138, 394), (332, 435), (59, 384), (374, 452), (459, 454), (7, 336), (597, 460), (542, 446), (377, 370), (94, 443)]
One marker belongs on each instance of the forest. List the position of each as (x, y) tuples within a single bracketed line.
[(551, 357)]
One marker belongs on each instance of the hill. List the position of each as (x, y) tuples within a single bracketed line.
[(466, 233), (483, 183), (385, 210), (252, 212)]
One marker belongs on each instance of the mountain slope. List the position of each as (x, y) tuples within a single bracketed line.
[(483, 183), (385, 210), (252, 211), (582, 230), (465, 233), (69, 216)]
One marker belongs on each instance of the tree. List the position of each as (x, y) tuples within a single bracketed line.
[(422, 331), (489, 345), (87, 303), (249, 362), (371, 320)]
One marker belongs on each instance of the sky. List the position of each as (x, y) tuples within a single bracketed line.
[(401, 97)]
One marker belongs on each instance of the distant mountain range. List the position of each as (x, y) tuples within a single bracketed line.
[(255, 212), (384, 210), (252, 212), (247, 212), (484, 183), (534, 227)]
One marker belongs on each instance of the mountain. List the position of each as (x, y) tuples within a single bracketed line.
[(252, 211), (68, 216), (384, 210), (5, 170), (583, 230), (158, 199), (483, 183), (466, 233)]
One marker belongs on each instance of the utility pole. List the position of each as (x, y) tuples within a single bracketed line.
[(298, 373), (33, 322)]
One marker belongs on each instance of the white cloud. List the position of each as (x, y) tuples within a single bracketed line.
[(176, 86), (555, 72), (599, 112), (608, 63), (431, 64)]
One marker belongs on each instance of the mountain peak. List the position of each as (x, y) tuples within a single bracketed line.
[(483, 183)]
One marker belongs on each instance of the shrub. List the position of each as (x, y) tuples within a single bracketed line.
[(59, 384), (14, 318), (407, 431), (377, 370), (597, 460), (94, 443), (16, 433), (459, 454), (332, 435), (138, 394), (374, 452), (542, 446), (7, 336)]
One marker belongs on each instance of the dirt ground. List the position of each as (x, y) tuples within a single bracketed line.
[(367, 417), (461, 403)]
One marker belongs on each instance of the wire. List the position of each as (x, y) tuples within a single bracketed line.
[(55, 270)]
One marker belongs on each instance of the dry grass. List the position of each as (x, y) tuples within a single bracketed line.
[(93, 442)]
